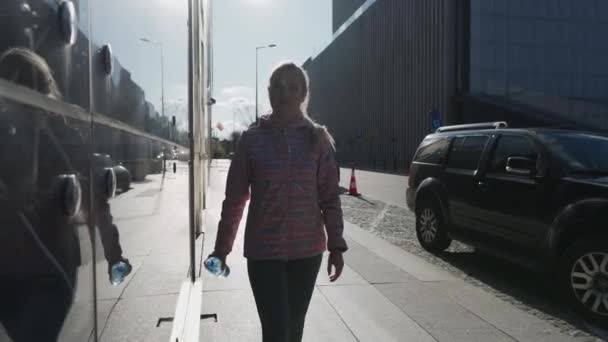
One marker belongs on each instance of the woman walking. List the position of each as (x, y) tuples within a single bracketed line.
[(286, 165)]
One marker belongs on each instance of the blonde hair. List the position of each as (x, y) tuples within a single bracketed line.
[(318, 131), (26, 68)]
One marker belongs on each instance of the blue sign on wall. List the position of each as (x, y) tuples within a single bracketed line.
[(358, 133), (436, 120)]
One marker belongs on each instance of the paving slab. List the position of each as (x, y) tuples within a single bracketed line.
[(237, 280), (105, 289), (134, 319), (352, 244), (104, 310), (238, 319), (371, 316), (520, 325), (158, 275), (348, 277), (438, 314), (374, 269), (419, 268), (78, 324), (323, 322)]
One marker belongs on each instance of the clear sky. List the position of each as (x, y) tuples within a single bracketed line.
[(123, 22), (299, 28)]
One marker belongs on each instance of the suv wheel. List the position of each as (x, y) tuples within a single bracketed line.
[(584, 276), (430, 228)]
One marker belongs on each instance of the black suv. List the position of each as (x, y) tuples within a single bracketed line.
[(538, 197)]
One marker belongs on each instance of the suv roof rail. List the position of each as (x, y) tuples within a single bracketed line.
[(482, 125)]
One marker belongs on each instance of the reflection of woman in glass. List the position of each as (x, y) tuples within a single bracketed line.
[(26, 68), (39, 255), (39, 244), (294, 216)]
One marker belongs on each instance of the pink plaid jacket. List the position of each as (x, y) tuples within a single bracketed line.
[(294, 194)]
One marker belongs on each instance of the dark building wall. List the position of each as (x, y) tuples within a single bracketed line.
[(550, 56), (539, 63), (344, 9), (374, 85)]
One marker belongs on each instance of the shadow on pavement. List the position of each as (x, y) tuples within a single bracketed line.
[(534, 289), (143, 181), (361, 198), (344, 191)]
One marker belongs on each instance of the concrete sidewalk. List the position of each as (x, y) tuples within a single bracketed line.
[(384, 294), (153, 224)]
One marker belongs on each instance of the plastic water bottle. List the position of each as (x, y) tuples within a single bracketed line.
[(119, 272), (214, 266)]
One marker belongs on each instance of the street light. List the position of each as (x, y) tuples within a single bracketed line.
[(257, 48), (162, 73)]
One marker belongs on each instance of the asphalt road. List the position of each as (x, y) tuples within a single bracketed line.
[(384, 187)]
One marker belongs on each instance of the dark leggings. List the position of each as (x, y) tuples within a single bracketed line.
[(282, 291)]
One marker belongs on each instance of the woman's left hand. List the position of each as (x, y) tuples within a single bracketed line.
[(337, 261)]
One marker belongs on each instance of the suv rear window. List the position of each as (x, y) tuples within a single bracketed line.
[(432, 151), (465, 152)]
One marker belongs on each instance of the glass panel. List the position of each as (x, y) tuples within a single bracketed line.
[(39, 29), (146, 225), (46, 269), (547, 55)]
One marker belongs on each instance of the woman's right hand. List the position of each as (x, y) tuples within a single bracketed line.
[(220, 256)]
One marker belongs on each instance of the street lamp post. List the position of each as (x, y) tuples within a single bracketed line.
[(257, 48), (162, 73)]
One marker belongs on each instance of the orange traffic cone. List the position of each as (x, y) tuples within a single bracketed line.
[(352, 189)]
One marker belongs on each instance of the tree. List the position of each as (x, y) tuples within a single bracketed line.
[(234, 138), (218, 150)]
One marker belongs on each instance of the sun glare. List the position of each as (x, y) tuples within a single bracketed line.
[(258, 2)]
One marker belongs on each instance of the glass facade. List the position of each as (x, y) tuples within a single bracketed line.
[(95, 114), (546, 54)]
